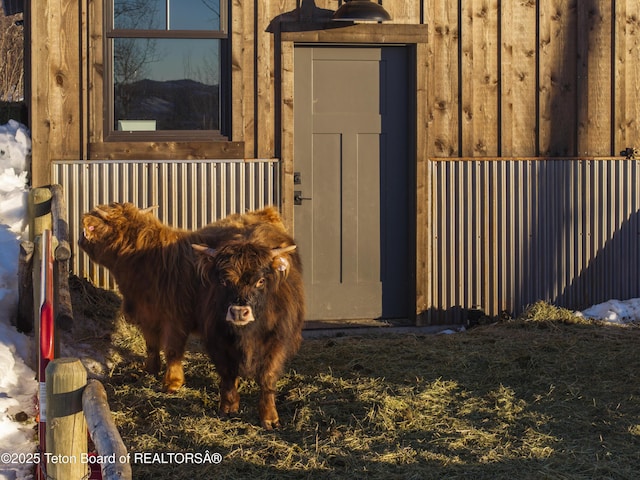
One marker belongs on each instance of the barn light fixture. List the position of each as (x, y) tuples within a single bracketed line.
[(361, 10)]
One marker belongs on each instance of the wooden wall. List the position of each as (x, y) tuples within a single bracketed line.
[(504, 78), (54, 82), (527, 78)]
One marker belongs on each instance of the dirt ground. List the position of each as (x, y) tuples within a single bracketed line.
[(543, 396)]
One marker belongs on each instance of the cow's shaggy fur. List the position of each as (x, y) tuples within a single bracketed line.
[(252, 313), (153, 265)]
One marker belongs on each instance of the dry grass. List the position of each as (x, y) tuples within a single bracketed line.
[(539, 397)]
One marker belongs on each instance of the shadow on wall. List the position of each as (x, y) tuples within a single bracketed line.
[(587, 211), (582, 246), (561, 230), (612, 274)]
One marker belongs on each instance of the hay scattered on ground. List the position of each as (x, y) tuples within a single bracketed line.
[(547, 314), (503, 401)]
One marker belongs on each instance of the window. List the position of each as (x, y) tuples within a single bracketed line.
[(166, 69)]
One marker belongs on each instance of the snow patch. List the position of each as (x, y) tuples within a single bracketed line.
[(614, 311), (17, 381)]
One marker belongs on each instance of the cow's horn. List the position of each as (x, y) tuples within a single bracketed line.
[(279, 251), (204, 249), (101, 213), (150, 209)]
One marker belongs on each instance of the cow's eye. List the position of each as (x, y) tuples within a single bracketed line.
[(260, 283), (222, 281)]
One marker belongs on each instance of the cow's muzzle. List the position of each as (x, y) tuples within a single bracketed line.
[(240, 315)]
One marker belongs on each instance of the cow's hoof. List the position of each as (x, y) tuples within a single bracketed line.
[(270, 424), (229, 409), (172, 387)]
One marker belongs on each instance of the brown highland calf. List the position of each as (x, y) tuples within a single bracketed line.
[(252, 313), (153, 265)]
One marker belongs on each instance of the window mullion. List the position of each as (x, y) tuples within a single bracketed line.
[(165, 34)]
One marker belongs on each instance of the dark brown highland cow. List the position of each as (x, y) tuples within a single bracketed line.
[(153, 265), (252, 313)]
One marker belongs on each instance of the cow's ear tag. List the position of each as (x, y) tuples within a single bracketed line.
[(88, 231), (282, 264)]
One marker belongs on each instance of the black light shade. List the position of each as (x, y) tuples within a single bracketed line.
[(354, 10)]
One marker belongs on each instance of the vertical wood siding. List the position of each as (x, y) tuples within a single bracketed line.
[(55, 84), (506, 233), (190, 194), (533, 78)]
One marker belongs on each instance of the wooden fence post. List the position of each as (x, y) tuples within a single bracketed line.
[(104, 433), (39, 206), (66, 426), (62, 254)]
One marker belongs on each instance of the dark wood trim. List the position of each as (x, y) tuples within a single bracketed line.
[(336, 32), (165, 136), (165, 150)]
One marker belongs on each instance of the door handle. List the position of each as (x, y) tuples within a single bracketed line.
[(298, 198)]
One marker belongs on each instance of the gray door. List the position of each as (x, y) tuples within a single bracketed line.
[(352, 219)]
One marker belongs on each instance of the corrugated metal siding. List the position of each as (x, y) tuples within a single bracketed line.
[(189, 193), (506, 233)]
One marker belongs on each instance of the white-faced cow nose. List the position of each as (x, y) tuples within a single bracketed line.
[(240, 314)]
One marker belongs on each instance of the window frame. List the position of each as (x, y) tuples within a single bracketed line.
[(222, 135)]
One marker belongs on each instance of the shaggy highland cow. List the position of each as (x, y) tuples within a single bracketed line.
[(252, 313), (153, 265)]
